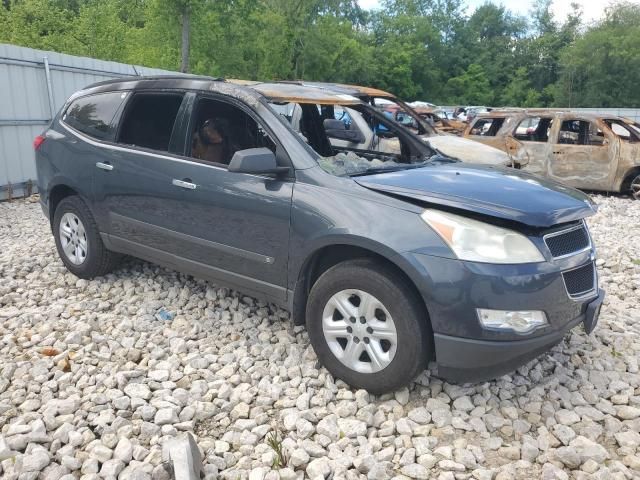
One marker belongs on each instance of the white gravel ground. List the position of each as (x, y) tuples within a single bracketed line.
[(92, 385)]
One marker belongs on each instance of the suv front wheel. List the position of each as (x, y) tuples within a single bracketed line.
[(368, 326), (78, 240)]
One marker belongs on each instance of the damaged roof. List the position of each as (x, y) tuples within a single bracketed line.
[(560, 112), (247, 90), (355, 90), (300, 93)]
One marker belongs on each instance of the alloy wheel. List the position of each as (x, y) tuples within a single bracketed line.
[(73, 238), (359, 331), (635, 188)]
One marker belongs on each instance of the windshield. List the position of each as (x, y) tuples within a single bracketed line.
[(353, 139)]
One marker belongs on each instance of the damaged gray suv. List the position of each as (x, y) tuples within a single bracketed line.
[(390, 258)]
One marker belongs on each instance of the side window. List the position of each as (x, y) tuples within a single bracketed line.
[(487, 127), (338, 124), (407, 120), (94, 114), (623, 130), (221, 129), (149, 119), (580, 132), (381, 139), (533, 129)]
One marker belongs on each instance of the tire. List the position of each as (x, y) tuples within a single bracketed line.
[(89, 257), (634, 187), (387, 296)]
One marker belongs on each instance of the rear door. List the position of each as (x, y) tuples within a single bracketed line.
[(581, 153), (88, 123), (132, 183)]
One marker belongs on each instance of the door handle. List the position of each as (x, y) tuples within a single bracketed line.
[(186, 183), (104, 166)]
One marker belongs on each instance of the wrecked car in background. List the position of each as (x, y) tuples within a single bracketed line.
[(434, 116), (450, 145), (588, 151)]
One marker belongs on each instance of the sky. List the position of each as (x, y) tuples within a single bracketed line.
[(592, 9)]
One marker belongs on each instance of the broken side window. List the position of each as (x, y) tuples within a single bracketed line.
[(622, 130), (533, 129), (487, 127), (580, 132), (352, 139)]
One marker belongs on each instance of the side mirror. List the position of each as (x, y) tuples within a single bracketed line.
[(338, 130), (257, 161)]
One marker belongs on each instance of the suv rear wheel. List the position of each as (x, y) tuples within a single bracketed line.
[(368, 326), (78, 240)]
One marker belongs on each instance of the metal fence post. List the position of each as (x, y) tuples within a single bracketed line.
[(47, 74)]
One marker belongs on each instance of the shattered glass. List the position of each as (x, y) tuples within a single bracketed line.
[(349, 163)]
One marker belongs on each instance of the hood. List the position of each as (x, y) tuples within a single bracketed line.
[(468, 150), (502, 193)]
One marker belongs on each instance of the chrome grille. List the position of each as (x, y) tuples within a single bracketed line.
[(568, 242), (581, 281)]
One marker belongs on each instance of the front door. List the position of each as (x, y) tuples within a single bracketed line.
[(530, 145), (581, 153)]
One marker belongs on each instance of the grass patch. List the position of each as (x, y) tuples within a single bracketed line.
[(274, 440)]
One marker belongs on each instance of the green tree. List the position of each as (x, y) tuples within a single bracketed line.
[(600, 68), (519, 92), (472, 87)]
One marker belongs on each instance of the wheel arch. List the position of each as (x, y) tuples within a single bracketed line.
[(625, 186), (58, 193), (326, 256)]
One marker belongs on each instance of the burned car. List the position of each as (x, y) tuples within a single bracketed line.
[(434, 116), (457, 147), (587, 151), (389, 259)]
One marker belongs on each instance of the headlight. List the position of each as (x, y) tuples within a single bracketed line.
[(481, 242)]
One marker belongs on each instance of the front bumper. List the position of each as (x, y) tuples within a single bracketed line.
[(452, 291), (464, 359)]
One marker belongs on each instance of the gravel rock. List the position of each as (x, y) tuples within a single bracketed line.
[(318, 468), (123, 450), (415, 470), (628, 439), (36, 461), (166, 416), (626, 412), (589, 450), (328, 426), (138, 390), (121, 383)]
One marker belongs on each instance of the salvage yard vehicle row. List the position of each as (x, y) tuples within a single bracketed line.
[(585, 151)]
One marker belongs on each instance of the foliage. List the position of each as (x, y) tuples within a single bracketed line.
[(419, 49), (597, 69)]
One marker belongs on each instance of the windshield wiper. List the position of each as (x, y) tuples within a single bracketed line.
[(373, 171)]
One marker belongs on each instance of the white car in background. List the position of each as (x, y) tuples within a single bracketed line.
[(363, 137)]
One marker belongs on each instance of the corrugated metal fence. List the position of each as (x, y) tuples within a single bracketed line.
[(34, 84)]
